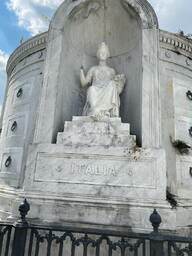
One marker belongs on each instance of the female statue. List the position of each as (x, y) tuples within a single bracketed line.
[(104, 88)]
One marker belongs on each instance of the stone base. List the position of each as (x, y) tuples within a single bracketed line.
[(113, 173), (50, 209), (85, 132), (133, 215), (96, 175), (104, 187)]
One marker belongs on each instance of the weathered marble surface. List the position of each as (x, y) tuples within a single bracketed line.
[(106, 213), (184, 178), (94, 164), (176, 81), (20, 106), (97, 185), (116, 172), (182, 110), (85, 132)]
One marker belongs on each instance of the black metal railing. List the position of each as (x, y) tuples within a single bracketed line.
[(22, 239)]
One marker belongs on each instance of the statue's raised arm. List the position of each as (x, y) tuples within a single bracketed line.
[(85, 79), (103, 99)]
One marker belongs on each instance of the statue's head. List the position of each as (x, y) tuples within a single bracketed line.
[(103, 52)]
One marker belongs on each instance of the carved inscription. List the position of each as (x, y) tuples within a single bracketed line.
[(97, 170), (91, 170)]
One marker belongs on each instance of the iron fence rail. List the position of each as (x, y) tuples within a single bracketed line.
[(22, 239)]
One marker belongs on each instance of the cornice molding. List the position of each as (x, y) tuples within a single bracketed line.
[(169, 41), (29, 47), (176, 43)]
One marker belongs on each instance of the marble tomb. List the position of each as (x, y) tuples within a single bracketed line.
[(97, 120)]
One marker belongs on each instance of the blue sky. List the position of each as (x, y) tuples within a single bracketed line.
[(25, 18), (10, 34)]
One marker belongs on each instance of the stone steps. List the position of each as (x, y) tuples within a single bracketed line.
[(84, 131)]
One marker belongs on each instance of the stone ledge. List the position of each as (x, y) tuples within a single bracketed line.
[(176, 43), (85, 132), (29, 47)]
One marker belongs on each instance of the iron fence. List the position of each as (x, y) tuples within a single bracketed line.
[(22, 239)]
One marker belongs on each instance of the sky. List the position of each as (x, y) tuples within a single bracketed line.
[(21, 19)]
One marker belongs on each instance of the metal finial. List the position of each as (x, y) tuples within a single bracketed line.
[(155, 220), (24, 209)]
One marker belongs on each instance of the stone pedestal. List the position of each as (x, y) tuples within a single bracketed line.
[(96, 175), (85, 132)]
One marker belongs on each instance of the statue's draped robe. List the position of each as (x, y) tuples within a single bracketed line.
[(103, 94)]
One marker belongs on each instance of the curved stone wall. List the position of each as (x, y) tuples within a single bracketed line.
[(25, 75), (176, 84), (29, 47)]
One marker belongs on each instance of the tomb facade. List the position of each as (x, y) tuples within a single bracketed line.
[(107, 165)]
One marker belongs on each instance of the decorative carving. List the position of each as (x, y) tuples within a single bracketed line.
[(84, 9), (176, 43), (127, 5), (144, 10), (181, 251), (27, 48), (24, 208), (103, 95), (14, 126), (8, 162), (126, 245), (189, 95), (19, 93), (40, 54), (188, 62), (155, 220), (168, 54)]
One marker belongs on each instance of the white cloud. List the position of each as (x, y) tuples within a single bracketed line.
[(48, 3), (173, 15), (32, 14), (162, 6), (3, 60)]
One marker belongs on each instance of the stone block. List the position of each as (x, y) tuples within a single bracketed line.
[(112, 186), (11, 163), (85, 132), (96, 172)]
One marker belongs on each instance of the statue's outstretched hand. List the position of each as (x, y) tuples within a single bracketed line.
[(83, 77)]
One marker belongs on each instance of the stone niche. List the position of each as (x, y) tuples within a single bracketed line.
[(130, 30)]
